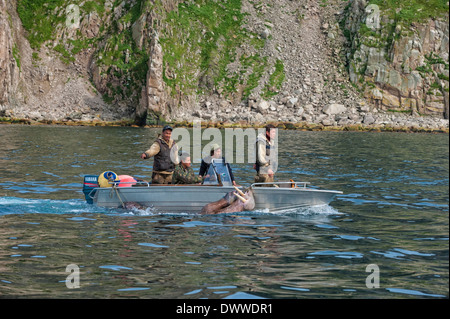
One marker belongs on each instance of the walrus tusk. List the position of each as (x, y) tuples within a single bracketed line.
[(239, 191), (241, 198)]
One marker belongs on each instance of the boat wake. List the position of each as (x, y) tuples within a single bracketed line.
[(16, 205), (137, 211), (311, 210), (320, 210)]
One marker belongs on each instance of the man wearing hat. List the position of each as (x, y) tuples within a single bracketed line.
[(184, 174), (216, 152), (165, 152)]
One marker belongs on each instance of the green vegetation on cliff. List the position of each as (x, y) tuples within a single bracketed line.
[(39, 18), (202, 45), (200, 49), (120, 58), (409, 11)]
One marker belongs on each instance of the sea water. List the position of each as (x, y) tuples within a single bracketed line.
[(393, 215)]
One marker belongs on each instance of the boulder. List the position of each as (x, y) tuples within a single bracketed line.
[(368, 119), (263, 106), (376, 94), (334, 108), (291, 102)]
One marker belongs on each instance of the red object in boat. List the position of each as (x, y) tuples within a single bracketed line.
[(126, 181)]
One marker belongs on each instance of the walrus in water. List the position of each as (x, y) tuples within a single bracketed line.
[(232, 202)]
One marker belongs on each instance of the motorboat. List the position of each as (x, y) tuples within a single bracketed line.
[(270, 197)]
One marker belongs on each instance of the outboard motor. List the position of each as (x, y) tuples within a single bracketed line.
[(90, 182)]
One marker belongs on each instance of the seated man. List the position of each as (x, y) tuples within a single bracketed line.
[(184, 174), (216, 153)]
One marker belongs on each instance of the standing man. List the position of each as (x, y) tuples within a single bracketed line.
[(266, 156), (184, 174), (165, 151)]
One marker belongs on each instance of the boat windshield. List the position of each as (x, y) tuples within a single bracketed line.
[(218, 173)]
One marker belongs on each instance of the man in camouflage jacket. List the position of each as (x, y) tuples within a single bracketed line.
[(184, 174)]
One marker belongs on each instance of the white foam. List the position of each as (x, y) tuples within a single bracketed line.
[(310, 210)]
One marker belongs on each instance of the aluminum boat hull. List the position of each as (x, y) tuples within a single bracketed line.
[(192, 198)]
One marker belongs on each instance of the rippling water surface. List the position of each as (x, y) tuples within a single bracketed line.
[(393, 214)]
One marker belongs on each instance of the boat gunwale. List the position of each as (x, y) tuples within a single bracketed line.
[(276, 189)]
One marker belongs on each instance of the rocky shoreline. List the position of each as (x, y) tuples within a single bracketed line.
[(286, 111), (330, 120)]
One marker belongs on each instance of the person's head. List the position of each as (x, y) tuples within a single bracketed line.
[(271, 131), (167, 132), (216, 151), (185, 160)]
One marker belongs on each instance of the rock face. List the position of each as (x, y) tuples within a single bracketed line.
[(153, 91), (38, 84), (9, 67), (237, 61), (399, 66)]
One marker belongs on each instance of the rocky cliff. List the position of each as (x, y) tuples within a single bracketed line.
[(327, 62), (398, 56)]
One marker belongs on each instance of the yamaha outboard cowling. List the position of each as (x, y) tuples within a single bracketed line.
[(90, 182)]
